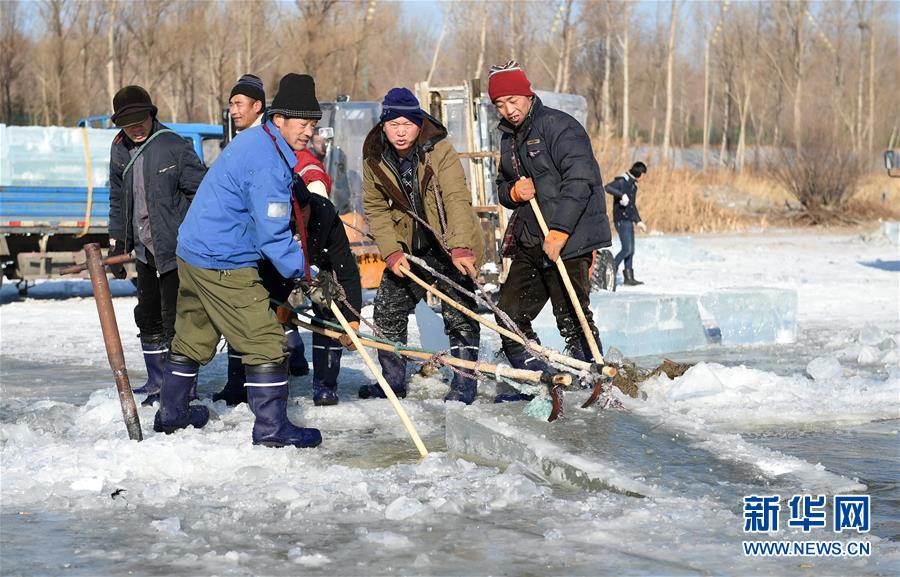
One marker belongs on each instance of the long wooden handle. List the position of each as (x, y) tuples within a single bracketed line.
[(562, 379), (550, 353), (388, 391), (567, 282), (110, 260), (554, 356)]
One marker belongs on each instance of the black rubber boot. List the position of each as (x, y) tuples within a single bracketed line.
[(234, 392), (629, 278)]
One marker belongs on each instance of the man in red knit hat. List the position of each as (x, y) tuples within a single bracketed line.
[(545, 154)]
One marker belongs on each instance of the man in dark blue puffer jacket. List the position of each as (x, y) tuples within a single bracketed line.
[(545, 154)]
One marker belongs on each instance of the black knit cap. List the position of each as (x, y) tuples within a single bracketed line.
[(638, 169), (296, 98), (251, 86), (132, 105)]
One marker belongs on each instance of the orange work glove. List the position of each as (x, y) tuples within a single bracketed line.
[(345, 339), (522, 190), (554, 243), (464, 261), (395, 260)]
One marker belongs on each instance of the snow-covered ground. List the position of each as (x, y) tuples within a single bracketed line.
[(209, 502)]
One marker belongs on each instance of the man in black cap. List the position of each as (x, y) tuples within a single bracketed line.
[(240, 216), (153, 175), (247, 102)]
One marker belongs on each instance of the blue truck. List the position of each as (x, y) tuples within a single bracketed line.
[(54, 192)]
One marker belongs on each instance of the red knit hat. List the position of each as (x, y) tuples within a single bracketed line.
[(508, 80)]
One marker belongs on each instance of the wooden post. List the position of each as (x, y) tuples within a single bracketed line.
[(112, 340)]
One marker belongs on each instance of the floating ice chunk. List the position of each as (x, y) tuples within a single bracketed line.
[(824, 368), (403, 508), (753, 315), (285, 494), (89, 484), (314, 560), (871, 335), (236, 557), (868, 355), (169, 526), (388, 539), (698, 381)]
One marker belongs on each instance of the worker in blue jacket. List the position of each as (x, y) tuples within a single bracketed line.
[(241, 215)]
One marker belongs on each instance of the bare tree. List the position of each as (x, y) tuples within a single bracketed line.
[(12, 50), (670, 78)]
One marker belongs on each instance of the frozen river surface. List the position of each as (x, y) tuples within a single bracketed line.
[(207, 502)]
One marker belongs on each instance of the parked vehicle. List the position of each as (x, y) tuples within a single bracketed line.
[(54, 192)]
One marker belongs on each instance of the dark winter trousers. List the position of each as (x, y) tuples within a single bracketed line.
[(533, 279), (625, 228), (157, 294), (397, 298)]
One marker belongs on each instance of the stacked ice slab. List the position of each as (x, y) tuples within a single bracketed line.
[(752, 315), (891, 231), (53, 156), (626, 452), (651, 324), (641, 323)]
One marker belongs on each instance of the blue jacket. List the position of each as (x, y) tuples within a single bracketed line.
[(242, 210)]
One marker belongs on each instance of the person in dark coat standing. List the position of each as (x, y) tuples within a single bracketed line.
[(626, 216), (153, 175), (545, 154)]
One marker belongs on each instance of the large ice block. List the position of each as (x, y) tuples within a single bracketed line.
[(637, 323), (753, 315), (891, 230), (53, 156), (621, 451)]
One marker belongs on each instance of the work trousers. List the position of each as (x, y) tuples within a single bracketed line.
[(531, 281), (157, 295), (233, 303)]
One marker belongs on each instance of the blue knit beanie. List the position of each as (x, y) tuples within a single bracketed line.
[(400, 102)]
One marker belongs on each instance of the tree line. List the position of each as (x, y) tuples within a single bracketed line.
[(722, 75)]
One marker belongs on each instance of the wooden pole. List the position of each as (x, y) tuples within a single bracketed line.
[(567, 282), (110, 260), (550, 353), (388, 391), (562, 379), (112, 340)]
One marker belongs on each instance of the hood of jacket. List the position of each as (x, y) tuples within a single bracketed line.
[(430, 134)]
